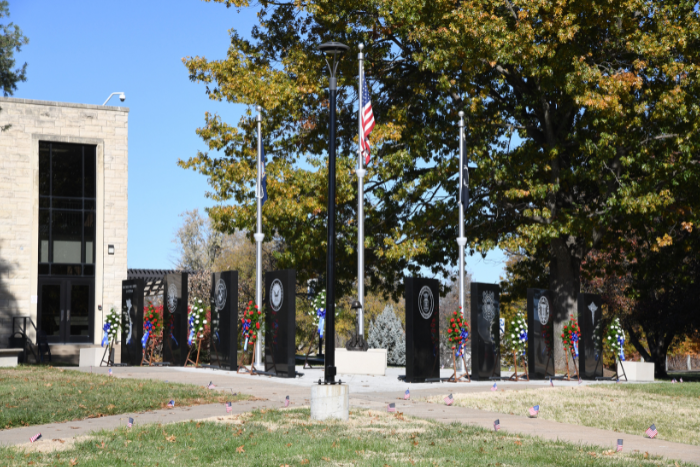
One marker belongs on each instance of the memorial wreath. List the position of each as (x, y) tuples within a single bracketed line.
[(570, 336), (516, 342), (251, 323), (615, 339), (457, 336), (111, 326), (152, 331)]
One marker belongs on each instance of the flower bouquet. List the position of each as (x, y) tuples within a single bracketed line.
[(152, 331), (457, 336), (251, 324), (570, 337), (110, 329), (196, 323), (615, 339), (516, 341)]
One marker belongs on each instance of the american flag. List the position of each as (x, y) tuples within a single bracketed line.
[(406, 395), (286, 401), (171, 403), (391, 407), (494, 387), (534, 410), (619, 445), (618, 380), (673, 381), (130, 422), (110, 372), (651, 431), (449, 400), (210, 385), (229, 407), (551, 383), (580, 381), (366, 119), (35, 437), (497, 425), (681, 380)]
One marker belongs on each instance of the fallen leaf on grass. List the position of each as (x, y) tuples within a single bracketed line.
[(170, 438), (59, 440), (289, 445), (646, 455), (240, 449), (304, 461), (518, 443), (74, 462), (48, 385), (111, 406)]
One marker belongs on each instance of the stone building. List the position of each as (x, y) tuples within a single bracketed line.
[(63, 219)]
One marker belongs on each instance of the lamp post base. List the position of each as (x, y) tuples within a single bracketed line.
[(330, 401)]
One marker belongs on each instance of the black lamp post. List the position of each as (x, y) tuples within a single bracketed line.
[(332, 50)]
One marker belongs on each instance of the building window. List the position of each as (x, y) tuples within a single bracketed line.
[(67, 181)]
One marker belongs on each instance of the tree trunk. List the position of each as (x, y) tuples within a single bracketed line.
[(565, 284), (658, 343)]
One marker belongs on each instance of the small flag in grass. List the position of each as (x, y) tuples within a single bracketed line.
[(681, 380), (130, 422), (673, 381), (618, 380), (551, 383), (35, 437), (406, 395), (171, 403), (651, 431), (534, 410), (496, 425), (229, 407), (286, 401), (494, 387), (580, 380), (449, 400), (110, 372), (619, 445), (210, 385), (391, 407)]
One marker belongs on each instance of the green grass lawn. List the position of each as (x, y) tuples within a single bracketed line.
[(289, 438), (627, 408), (33, 395)]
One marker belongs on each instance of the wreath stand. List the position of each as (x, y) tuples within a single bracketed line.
[(107, 356), (617, 375), (147, 354), (456, 379), (573, 359), (251, 371), (189, 353), (525, 375)]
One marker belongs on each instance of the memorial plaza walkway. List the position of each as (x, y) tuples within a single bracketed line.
[(369, 392)]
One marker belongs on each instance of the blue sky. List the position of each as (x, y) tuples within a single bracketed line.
[(81, 51)]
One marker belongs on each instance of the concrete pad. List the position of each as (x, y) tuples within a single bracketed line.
[(330, 401), (637, 371), (9, 357), (371, 362)]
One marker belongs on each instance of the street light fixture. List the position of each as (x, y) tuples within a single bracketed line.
[(122, 97), (332, 50)]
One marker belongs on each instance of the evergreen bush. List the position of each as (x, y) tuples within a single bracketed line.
[(386, 332)]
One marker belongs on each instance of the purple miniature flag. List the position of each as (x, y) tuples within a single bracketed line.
[(619, 445), (406, 395), (110, 372), (130, 422), (391, 407), (210, 385), (651, 431), (229, 407), (449, 400), (286, 401), (534, 411), (35, 437), (496, 425), (171, 403), (494, 387)]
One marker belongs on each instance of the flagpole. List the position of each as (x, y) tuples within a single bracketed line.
[(360, 205), (461, 240), (259, 236)]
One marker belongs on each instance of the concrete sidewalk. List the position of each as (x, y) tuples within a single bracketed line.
[(365, 392)]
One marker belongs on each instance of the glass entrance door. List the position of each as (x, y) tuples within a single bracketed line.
[(65, 309)]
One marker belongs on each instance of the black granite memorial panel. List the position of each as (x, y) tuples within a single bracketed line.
[(422, 329), (485, 331), (590, 314), (280, 322), (132, 321), (540, 323), (175, 319), (224, 319)]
